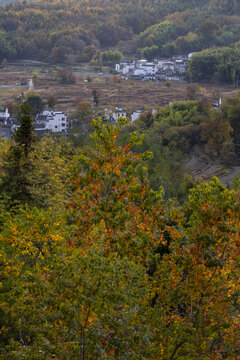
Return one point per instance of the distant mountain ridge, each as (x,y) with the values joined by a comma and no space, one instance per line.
(80,30)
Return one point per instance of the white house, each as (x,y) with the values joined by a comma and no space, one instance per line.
(125,67)
(150,68)
(180,66)
(55,121)
(4,115)
(135,115)
(139,72)
(143,67)
(140,63)
(46,112)
(168,65)
(114,115)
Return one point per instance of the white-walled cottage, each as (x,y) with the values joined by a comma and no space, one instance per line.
(55,121)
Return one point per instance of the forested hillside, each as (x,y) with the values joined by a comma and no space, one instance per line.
(182,129)
(96,265)
(79,30)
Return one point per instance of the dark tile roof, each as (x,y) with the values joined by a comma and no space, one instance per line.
(5,133)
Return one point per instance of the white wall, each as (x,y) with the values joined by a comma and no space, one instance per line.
(57,122)
(135,115)
(4,114)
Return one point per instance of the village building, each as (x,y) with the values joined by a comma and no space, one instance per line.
(160,69)
(53,121)
(48,121)
(135,115)
(8,126)
(4,116)
(114,115)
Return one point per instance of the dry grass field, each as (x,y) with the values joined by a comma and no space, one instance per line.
(130,95)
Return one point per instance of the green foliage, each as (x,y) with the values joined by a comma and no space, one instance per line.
(105,269)
(41,29)
(223,63)
(111,57)
(49,179)
(158,34)
(172,135)
(36,103)
(230,111)
(6,50)
(198,277)
(14,180)
(150,52)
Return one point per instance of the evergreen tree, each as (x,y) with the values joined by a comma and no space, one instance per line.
(14,183)
(24,136)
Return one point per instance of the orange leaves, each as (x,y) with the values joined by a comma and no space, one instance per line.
(113,209)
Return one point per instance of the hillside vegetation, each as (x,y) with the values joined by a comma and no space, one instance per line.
(96,265)
(60,31)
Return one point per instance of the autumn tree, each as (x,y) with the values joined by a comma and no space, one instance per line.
(217,137)
(84,112)
(27,240)
(49,178)
(115,204)
(196,302)
(55,304)
(114,221)
(65,76)
(107,269)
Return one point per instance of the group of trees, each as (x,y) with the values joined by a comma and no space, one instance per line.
(58,31)
(179,34)
(111,57)
(80,31)
(65,76)
(176,130)
(96,265)
(222,64)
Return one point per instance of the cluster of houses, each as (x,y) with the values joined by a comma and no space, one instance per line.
(7,123)
(113,115)
(159,69)
(48,121)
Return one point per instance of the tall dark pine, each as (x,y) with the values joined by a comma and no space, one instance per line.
(24,136)
(95,97)
(14,181)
